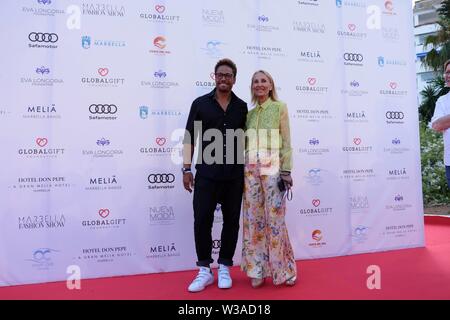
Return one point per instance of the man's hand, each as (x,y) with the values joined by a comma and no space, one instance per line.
(188,181)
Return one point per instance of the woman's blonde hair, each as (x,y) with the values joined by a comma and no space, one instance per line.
(272,93)
(446,64)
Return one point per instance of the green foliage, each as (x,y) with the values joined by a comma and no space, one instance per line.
(434,182)
(430,94)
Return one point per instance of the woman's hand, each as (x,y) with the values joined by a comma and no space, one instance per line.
(287,180)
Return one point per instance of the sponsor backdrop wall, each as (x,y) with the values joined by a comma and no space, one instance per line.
(93,93)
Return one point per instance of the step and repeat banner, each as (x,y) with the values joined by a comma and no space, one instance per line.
(95,96)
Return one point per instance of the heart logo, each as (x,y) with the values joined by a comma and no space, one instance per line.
(356,141)
(103,71)
(351,27)
(312,81)
(393,85)
(160,141)
(212,75)
(160,8)
(103,213)
(316,202)
(41,142)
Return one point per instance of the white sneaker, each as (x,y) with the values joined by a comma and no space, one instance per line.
(225,281)
(204,278)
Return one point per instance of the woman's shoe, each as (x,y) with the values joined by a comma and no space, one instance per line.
(291,281)
(257,282)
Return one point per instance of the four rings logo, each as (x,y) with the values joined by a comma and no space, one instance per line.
(161,178)
(102,108)
(43,37)
(395,115)
(355,57)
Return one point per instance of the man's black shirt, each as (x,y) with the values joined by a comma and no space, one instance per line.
(208,111)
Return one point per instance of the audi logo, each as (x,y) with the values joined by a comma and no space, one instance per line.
(102,109)
(395,115)
(161,178)
(43,37)
(356,57)
(216,244)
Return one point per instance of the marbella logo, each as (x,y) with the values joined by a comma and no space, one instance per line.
(86,43)
(309,27)
(103,9)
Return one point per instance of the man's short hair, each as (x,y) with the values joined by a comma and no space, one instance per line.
(226,62)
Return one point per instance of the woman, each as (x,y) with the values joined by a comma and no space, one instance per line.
(267,251)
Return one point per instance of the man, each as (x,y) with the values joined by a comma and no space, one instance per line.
(219,118)
(441,120)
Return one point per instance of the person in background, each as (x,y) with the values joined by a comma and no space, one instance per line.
(441,120)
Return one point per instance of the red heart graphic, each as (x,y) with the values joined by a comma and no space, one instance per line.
(103,213)
(160,141)
(393,85)
(316,202)
(357,141)
(160,8)
(41,142)
(103,71)
(212,75)
(312,81)
(351,27)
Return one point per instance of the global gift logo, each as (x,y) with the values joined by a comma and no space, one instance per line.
(41,142)
(103,71)
(160,8)
(393,85)
(357,141)
(351,27)
(312,81)
(388,5)
(316,202)
(103,213)
(160,141)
